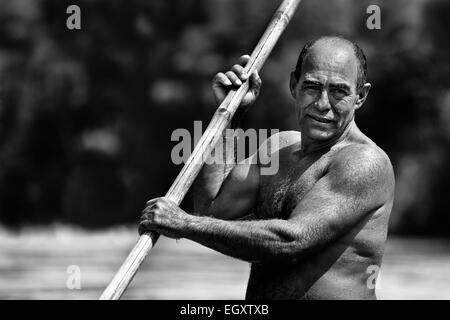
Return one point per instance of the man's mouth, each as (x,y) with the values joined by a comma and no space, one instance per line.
(320,119)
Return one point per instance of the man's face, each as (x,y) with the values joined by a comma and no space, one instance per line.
(325,94)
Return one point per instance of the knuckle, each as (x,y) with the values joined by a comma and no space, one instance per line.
(237,67)
(219,76)
(144,218)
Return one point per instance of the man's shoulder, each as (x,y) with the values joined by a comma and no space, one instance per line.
(363,154)
(364,165)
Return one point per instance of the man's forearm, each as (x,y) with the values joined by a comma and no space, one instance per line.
(214,173)
(253,241)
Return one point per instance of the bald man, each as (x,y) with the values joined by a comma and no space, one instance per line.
(319,224)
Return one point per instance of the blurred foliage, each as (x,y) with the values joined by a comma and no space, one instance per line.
(86,116)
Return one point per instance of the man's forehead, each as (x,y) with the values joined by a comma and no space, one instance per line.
(332,57)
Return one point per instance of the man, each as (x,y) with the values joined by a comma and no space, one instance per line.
(320,223)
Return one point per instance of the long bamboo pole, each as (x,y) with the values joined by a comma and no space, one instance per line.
(204,147)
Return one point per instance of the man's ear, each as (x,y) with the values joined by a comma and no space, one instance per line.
(362,95)
(293,84)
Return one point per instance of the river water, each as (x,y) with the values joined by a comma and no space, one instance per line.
(62,262)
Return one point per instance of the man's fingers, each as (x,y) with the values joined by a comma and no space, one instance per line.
(233,78)
(236,76)
(255,83)
(148,209)
(243,60)
(222,79)
(145,214)
(239,71)
(152,201)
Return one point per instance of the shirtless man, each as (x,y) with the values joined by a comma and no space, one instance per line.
(321,220)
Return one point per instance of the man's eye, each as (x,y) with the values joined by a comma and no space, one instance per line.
(311,87)
(339,92)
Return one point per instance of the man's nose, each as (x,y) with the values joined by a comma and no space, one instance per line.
(323,103)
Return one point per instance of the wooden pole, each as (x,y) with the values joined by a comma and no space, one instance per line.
(204,147)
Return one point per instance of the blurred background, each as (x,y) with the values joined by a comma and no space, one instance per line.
(86,118)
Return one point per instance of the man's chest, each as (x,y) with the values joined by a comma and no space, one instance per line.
(280,193)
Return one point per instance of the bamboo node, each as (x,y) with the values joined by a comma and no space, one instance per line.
(224,112)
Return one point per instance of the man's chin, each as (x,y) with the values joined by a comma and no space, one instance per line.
(319,135)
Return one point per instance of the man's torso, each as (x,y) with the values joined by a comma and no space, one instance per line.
(340,270)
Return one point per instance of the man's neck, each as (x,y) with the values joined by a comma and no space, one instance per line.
(310,146)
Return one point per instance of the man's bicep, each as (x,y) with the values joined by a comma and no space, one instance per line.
(342,198)
(238,193)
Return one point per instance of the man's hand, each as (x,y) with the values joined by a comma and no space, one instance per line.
(223,82)
(163,216)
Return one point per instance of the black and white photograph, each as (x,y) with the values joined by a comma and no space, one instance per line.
(224,150)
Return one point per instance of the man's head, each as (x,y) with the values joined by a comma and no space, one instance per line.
(328,84)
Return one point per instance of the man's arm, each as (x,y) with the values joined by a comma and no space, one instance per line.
(357,183)
(226,189)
